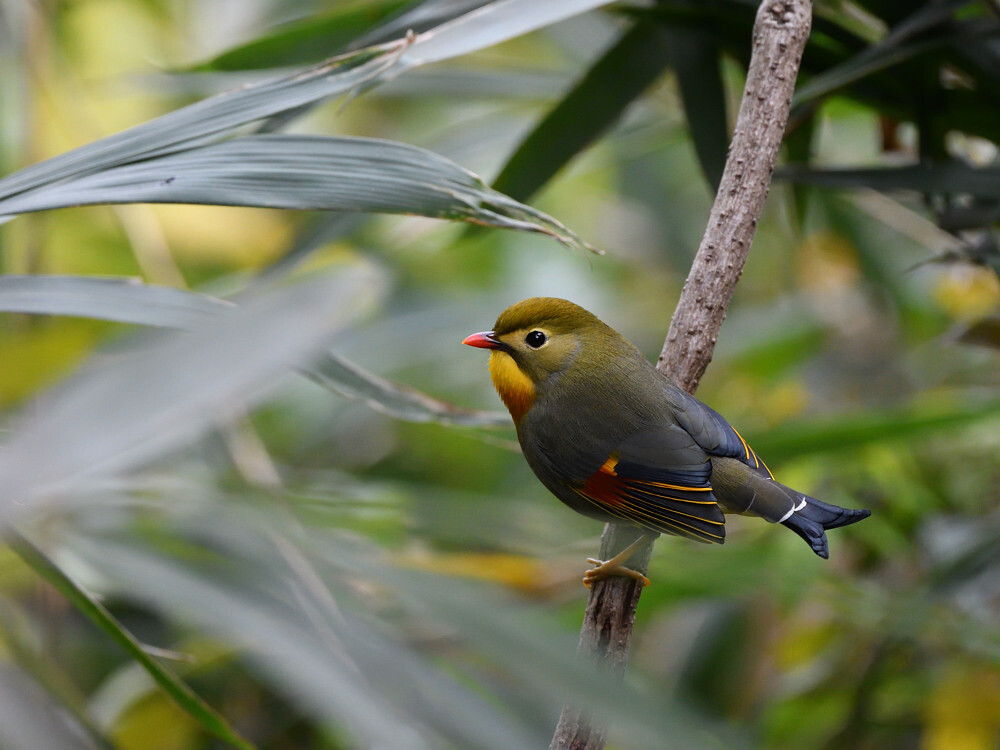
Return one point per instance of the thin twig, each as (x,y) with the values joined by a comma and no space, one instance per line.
(779,36)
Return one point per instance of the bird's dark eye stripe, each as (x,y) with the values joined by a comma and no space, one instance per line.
(535,339)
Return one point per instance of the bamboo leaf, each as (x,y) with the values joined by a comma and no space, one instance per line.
(206,120)
(336,667)
(695,56)
(952,177)
(855,430)
(124,411)
(608,88)
(309,40)
(123,300)
(30,721)
(179,691)
(905,41)
(491,24)
(300,172)
(393,399)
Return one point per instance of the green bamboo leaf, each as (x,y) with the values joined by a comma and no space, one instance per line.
(695,57)
(207,120)
(125,301)
(840,433)
(122,300)
(393,399)
(29,720)
(309,40)
(122,412)
(300,172)
(905,41)
(179,691)
(621,75)
(952,177)
(336,667)
(491,24)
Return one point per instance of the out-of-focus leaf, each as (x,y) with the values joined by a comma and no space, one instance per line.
(19,638)
(292,609)
(308,40)
(984,332)
(952,177)
(334,666)
(608,88)
(980,214)
(491,24)
(125,300)
(398,401)
(851,17)
(348,26)
(211,721)
(117,414)
(852,431)
(300,172)
(695,58)
(203,121)
(894,48)
(419,17)
(29,721)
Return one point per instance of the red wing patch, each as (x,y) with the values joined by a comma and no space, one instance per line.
(660,506)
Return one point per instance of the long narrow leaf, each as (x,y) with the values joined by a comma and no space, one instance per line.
(205,121)
(852,431)
(695,56)
(29,721)
(309,40)
(397,401)
(330,664)
(607,89)
(116,415)
(185,698)
(300,172)
(124,300)
(209,118)
(491,24)
(952,177)
(900,44)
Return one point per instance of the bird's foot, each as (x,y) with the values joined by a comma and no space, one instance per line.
(609,568)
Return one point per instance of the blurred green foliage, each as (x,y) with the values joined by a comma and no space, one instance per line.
(326,575)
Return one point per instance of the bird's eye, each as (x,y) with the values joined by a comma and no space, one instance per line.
(535,339)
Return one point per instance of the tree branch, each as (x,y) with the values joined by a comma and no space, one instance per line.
(779,36)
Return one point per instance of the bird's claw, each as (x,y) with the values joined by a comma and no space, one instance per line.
(609,568)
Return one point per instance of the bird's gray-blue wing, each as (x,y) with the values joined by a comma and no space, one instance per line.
(712,432)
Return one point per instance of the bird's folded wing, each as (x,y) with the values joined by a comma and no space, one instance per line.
(712,432)
(659,480)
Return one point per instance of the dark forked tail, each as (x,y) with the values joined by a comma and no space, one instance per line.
(811,520)
(740,489)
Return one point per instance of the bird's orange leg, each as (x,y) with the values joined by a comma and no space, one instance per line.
(614,567)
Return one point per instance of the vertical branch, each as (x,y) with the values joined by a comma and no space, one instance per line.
(779,37)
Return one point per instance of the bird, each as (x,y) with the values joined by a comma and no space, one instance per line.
(617,440)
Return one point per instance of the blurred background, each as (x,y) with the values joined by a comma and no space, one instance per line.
(325,574)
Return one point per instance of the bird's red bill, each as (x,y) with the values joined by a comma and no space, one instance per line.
(483,340)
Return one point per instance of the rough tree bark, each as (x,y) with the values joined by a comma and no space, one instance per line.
(779,37)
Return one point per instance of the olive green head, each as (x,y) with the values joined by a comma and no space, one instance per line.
(537,338)
(544,335)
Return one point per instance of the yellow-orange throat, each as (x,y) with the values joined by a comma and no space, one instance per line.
(515,388)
